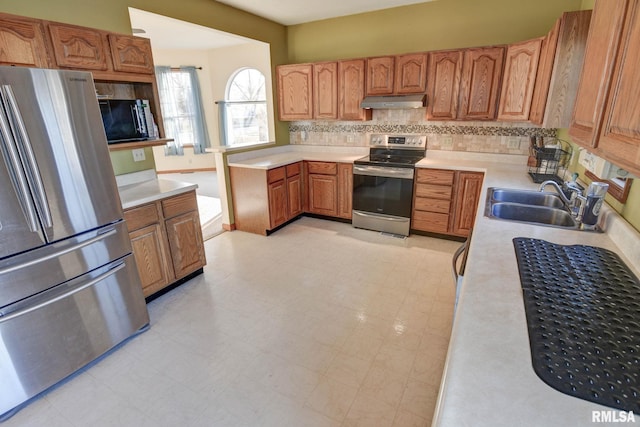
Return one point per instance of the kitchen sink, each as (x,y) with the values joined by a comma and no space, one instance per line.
(532,207)
(537,198)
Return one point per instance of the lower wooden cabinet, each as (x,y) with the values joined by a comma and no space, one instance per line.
(330,188)
(323,194)
(166,239)
(445,201)
(266,199)
(345,190)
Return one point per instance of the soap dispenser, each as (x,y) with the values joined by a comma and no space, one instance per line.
(594,199)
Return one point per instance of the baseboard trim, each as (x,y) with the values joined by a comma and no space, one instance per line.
(228,227)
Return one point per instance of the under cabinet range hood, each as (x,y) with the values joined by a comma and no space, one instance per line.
(394,101)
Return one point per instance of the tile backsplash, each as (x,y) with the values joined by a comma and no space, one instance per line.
(483,137)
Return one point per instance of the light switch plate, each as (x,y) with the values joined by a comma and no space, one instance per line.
(513,143)
(446,141)
(138,155)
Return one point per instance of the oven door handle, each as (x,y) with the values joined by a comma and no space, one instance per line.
(388,172)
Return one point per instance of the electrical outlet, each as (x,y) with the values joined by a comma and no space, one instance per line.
(446,141)
(513,143)
(350,138)
(138,155)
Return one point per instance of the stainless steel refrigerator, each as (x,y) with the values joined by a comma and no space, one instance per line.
(69,287)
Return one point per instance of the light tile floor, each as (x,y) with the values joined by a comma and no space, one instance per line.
(319,324)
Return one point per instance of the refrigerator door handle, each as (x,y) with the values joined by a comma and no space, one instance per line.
(36,184)
(16,174)
(75,290)
(73,248)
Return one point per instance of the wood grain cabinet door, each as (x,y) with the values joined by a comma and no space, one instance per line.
(295,92)
(345,190)
(185,241)
(543,76)
(323,194)
(468,187)
(278,204)
(411,73)
(131,54)
(294,196)
(620,135)
(603,41)
(150,253)
(22,42)
(325,90)
(520,68)
(78,47)
(380,75)
(351,86)
(480,83)
(443,84)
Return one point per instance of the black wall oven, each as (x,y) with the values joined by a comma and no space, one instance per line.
(383,183)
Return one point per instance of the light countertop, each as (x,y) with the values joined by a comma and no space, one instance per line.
(488,378)
(137,194)
(284,155)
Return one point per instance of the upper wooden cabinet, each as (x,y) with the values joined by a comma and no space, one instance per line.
(520,68)
(380,75)
(22,42)
(603,43)
(480,83)
(295,92)
(351,78)
(325,90)
(78,47)
(620,132)
(443,84)
(411,73)
(131,54)
(561,58)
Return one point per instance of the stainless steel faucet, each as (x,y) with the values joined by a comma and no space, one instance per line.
(575,203)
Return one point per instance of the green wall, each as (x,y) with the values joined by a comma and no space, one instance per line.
(441,24)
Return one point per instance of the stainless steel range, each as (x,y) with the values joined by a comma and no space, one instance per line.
(383,183)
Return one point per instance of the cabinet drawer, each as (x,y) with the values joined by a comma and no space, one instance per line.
(140,217)
(179,204)
(435,176)
(276,174)
(323,168)
(432,205)
(433,191)
(293,169)
(430,221)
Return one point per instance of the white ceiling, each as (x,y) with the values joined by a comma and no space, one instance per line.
(170,33)
(291,12)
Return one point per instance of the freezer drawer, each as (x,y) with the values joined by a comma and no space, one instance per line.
(40,269)
(45,338)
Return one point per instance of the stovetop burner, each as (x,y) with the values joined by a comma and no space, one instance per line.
(395,150)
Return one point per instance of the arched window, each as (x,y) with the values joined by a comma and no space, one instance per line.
(245,108)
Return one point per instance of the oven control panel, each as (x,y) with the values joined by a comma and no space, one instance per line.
(398,141)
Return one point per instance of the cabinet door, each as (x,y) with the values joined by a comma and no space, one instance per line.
(22,42)
(602,45)
(131,54)
(325,90)
(278,205)
(468,187)
(480,84)
(411,73)
(520,68)
(351,76)
(185,241)
(620,135)
(295,92)
(543,77)
(443,84)
(294,196)
(78,47)
(150,253)
(345,190)
(323,194)
(380,75)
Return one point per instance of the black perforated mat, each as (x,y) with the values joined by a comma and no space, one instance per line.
(583,314)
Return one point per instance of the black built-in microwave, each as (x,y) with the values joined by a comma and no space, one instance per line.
(126,119)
